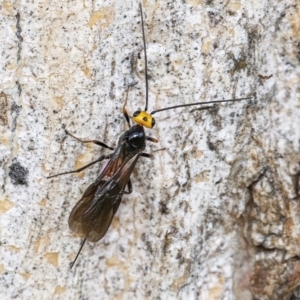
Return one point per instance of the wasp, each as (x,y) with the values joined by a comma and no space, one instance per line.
(93,214)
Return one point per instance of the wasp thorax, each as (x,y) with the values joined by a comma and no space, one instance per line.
(143,118)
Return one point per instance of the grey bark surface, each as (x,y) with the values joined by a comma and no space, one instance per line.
(215,215)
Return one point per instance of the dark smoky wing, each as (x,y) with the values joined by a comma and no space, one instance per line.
(113,164)
(75,218)
(93,214)
(102,213)
(77,222)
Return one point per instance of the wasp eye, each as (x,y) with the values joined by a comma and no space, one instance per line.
(136,113)
(153,122)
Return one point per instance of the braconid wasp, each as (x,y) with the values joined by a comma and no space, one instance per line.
(93,214)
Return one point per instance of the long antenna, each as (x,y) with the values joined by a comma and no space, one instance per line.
(198,103)
(145,55)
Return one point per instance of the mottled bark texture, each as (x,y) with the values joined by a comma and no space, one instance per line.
(216,214)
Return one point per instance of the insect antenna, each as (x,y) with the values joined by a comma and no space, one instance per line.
(145,56)
(199,103)
(74,261)
(144,118)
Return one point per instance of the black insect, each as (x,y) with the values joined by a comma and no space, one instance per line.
(93,214)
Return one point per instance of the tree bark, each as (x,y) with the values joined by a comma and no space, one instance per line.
(215,214)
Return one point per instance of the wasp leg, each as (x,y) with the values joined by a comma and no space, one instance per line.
(117,204)
(148,155)
(162,149)
(89,141)
(102,157)
(129,186)
(151,139)
(125,113)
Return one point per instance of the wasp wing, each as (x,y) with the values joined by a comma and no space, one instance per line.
(112,166)
(94,212)
(75,218)
(117,159)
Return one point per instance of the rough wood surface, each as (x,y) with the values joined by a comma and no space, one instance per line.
(215,215)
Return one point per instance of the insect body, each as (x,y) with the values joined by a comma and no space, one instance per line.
(93,214)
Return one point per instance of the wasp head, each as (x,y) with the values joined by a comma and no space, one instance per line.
(143,118)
